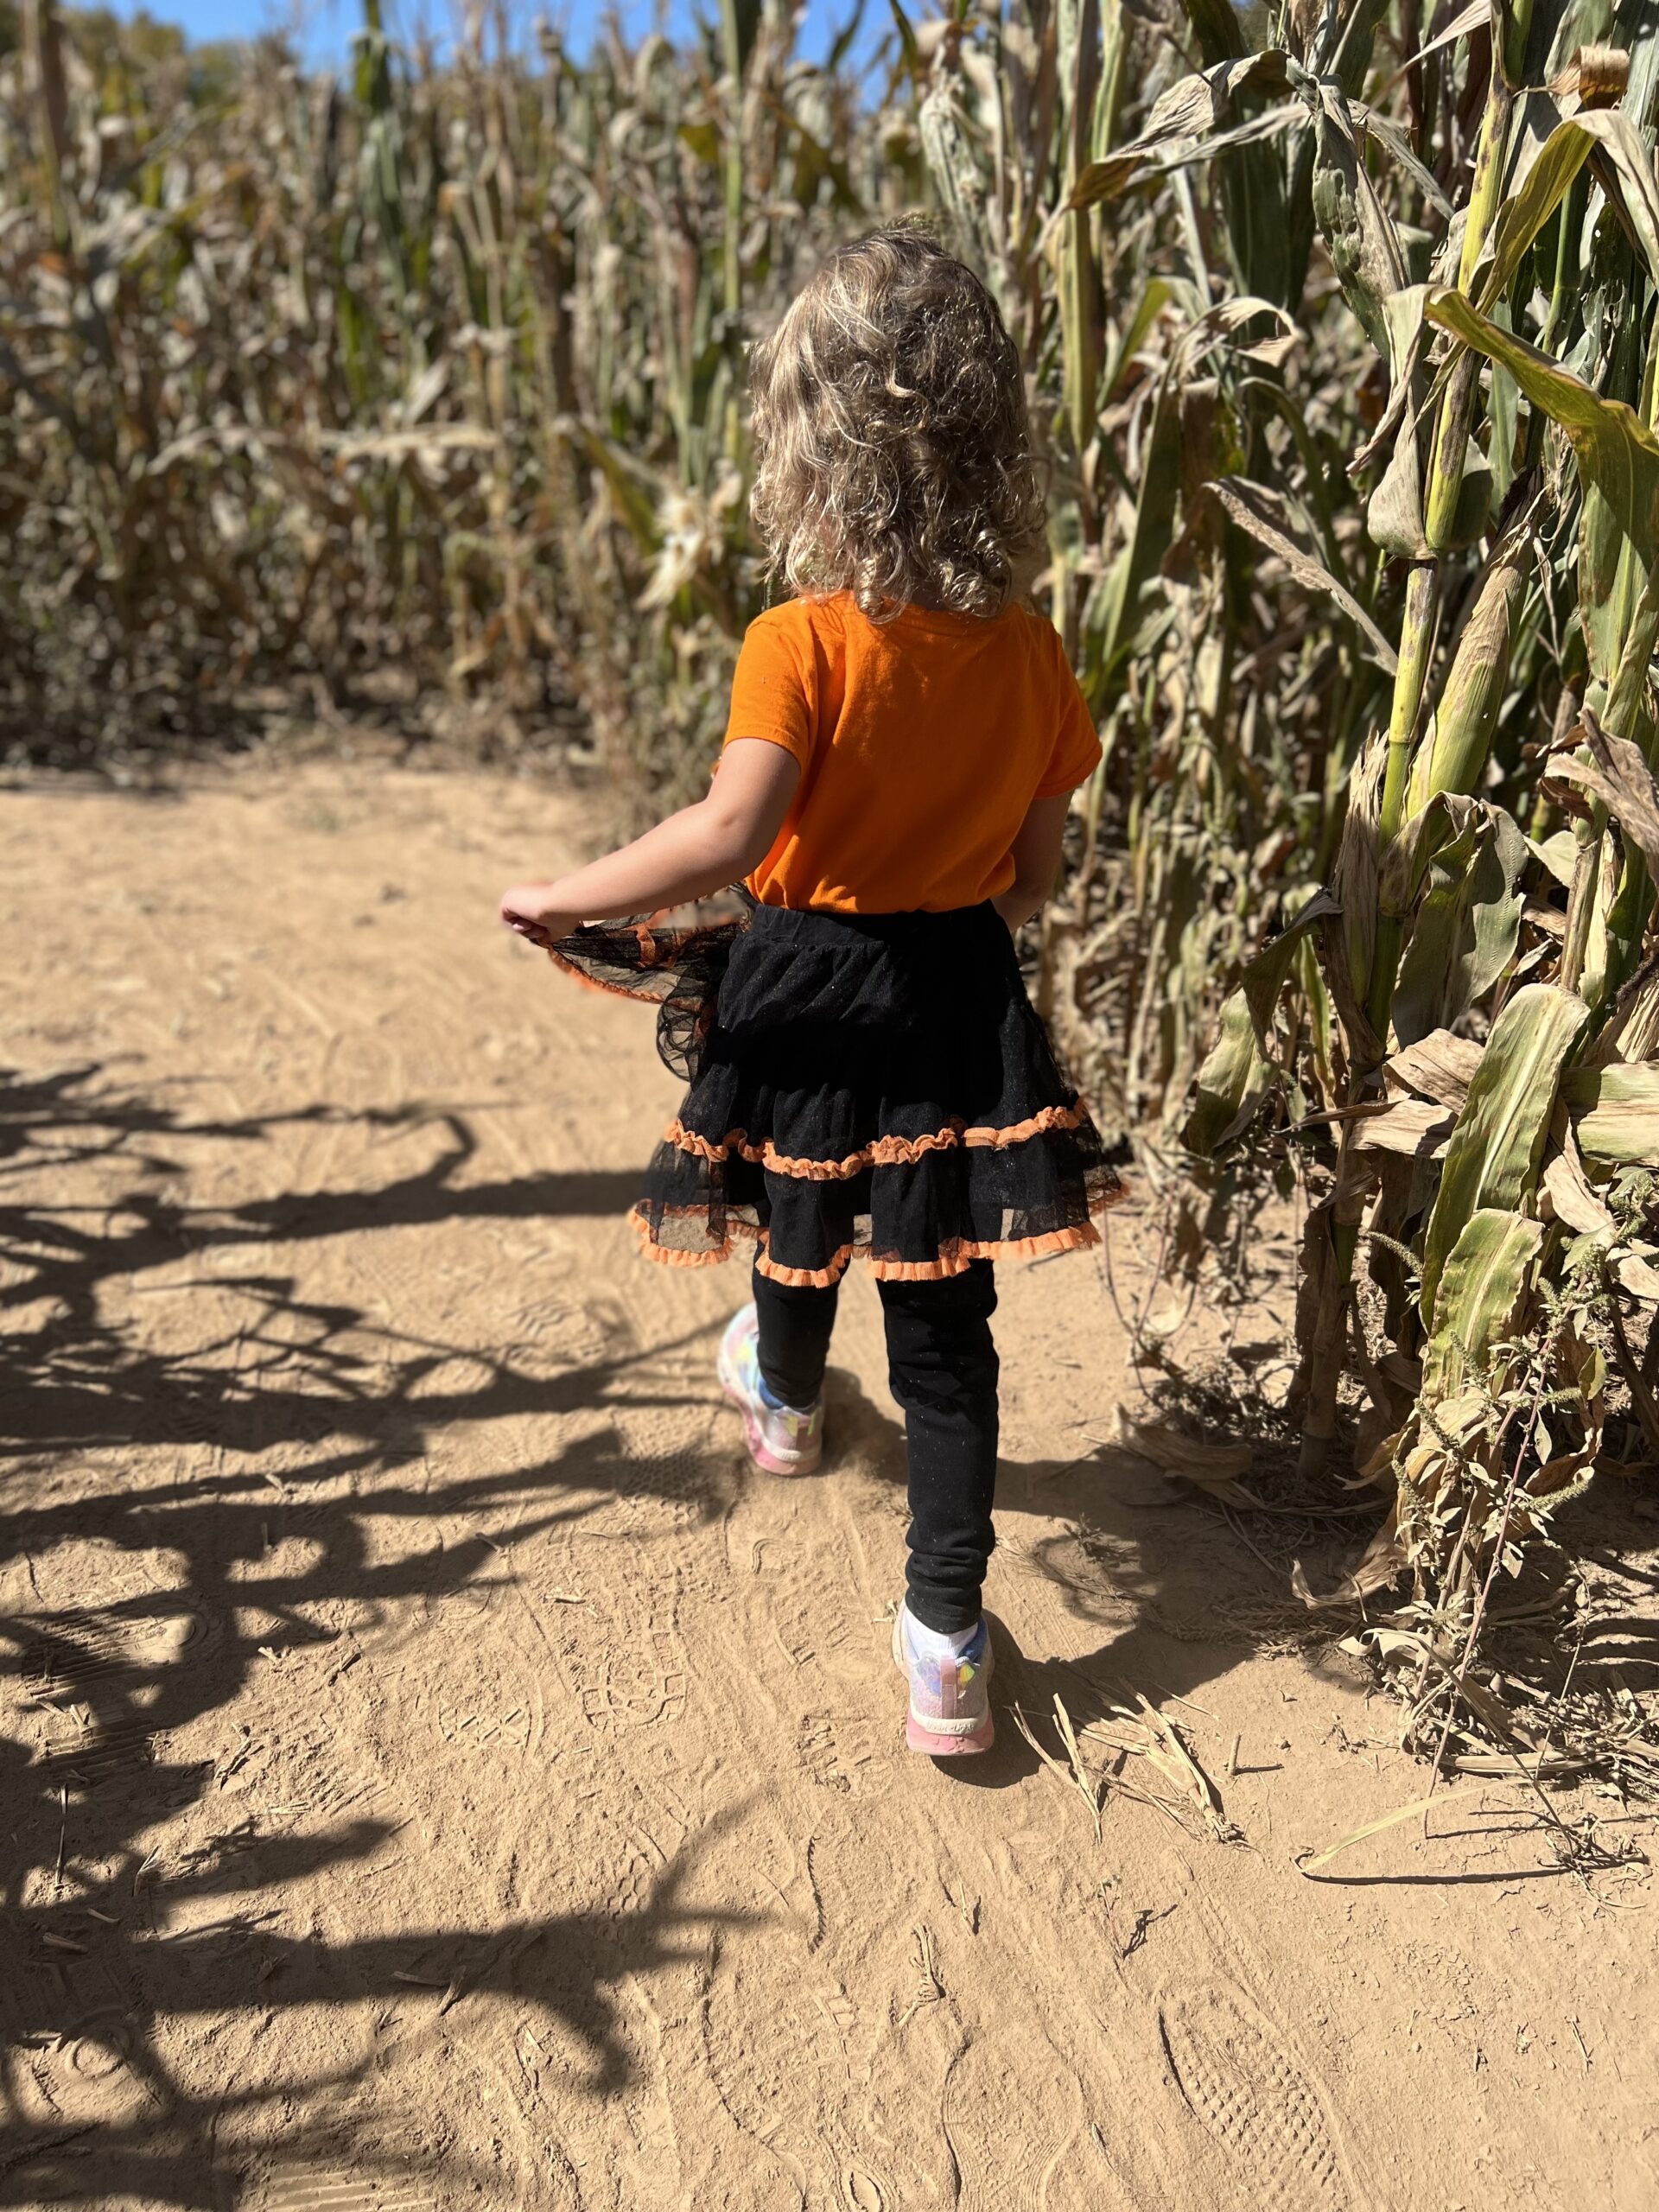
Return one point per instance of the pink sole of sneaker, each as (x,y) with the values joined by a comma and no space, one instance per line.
(949,1747)
(933,1742)
(769,1461)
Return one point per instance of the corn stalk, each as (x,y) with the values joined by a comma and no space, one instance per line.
(1479,973)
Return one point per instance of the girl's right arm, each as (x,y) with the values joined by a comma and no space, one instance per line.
(1037,851)
(700,849)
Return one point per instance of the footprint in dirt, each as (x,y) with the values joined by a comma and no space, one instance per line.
(845,1752)
(382,2144)
(1013,2116)
(818,1615)
(777,2061)
(105,1679)
(1245,2086)
(83,2081)
(670,1477)
(618,1635)
(867,1894)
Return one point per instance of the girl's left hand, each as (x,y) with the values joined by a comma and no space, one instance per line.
(536,911)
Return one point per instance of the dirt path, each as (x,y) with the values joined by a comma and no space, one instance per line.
(439,1772)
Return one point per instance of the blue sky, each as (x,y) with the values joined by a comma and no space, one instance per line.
(325,26)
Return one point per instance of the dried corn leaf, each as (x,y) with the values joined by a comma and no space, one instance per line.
(1570,1192)
(1363,244)
(1558,853)
(1540,1766)
(1073,1770)
(1166,1749)
(1261,513)
(1618,775)
(1184,113)
(1377,1827)
(1150,1735)
(1411,1126)
(1211,1467)
(1439,1066)
(1379,1568)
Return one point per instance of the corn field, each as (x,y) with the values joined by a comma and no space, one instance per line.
(429,374)
(1345,366)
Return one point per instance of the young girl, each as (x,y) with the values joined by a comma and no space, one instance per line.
(866,1074)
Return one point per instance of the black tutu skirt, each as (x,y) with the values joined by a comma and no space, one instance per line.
(869,1084)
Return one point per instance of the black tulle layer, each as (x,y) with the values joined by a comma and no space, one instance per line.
(877,1085)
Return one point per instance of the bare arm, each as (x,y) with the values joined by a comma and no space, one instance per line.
(700,849)
(1037,851)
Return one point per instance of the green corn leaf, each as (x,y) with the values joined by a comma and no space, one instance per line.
(1216,27)
(1491,1158)
(815,161)
(1618,460)
(1446,829)
(1503,413)
(1483,1288)
(740,22)
(1394,514)
(845,39)
(638,492)
(1466,929)
(1080,291)
(1239,1072)
(1158,294)
(1110,618)
(1524,214)
(1626,154)
(1616,1110)
(1453,757)
(1464,938)
(907,45)
(1360,236)
(703,139)
(1232,1082)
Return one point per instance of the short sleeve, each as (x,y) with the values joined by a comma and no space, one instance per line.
(772,689)
(1076,752)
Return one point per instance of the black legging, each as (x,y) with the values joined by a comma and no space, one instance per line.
(942,1368)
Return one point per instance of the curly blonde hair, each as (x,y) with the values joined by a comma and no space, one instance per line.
(894,454)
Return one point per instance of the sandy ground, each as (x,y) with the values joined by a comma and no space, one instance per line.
(438,1771)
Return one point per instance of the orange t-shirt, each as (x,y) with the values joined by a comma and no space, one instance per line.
(922,742)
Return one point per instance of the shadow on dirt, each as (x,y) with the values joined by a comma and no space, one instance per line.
(102,1933)
(311,1514)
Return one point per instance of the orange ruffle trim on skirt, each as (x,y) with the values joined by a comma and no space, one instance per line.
(953,1256)
(885,1152)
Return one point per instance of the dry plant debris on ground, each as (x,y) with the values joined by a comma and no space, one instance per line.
(438,1771)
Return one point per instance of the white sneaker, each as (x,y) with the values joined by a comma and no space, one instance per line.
(950,1694)
(780,1439)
